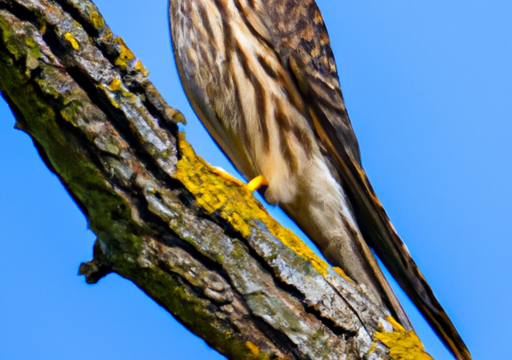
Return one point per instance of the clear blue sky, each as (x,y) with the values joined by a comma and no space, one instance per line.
(428,86)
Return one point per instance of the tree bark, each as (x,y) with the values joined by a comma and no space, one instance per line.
(197,243)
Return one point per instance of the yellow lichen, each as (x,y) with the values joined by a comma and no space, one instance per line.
(112,99)
(234,202)
(178,116)
(254,349)
(41,25)
(71,39)
(343,274)
(77,24)
(125,54)
(402,344)
(258,354)
(107,34)
(127,59)
(139,67)
(97,20)
(115,85)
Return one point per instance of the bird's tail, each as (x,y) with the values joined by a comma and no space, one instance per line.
(381,236)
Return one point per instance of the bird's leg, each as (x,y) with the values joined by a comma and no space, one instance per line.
(257,183)
(253,185)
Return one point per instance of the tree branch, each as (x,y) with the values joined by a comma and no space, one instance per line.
(197,243)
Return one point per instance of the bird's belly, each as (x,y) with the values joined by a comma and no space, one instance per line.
(243,96)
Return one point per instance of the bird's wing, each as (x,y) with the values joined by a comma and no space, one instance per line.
(296,32)
(371,217)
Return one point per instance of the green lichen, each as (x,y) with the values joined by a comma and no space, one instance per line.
(109,213)
(34,48)
(193,311)
(30,101)
(21,46)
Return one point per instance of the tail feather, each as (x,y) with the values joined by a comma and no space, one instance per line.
(389,247)
(381,236)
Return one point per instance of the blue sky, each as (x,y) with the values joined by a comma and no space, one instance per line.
(428,87)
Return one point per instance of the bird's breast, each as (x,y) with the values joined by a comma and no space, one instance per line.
(242,93)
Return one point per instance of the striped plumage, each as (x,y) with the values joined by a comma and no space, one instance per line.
(261,76)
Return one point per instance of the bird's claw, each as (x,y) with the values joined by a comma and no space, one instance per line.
(257,183)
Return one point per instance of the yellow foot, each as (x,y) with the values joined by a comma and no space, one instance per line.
(252,186)
(256,183)
(217,170)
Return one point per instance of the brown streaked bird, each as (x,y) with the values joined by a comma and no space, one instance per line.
(261,76)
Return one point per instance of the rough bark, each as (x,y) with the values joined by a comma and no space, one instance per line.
(197,243)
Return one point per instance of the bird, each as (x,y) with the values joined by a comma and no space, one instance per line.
(262,78)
